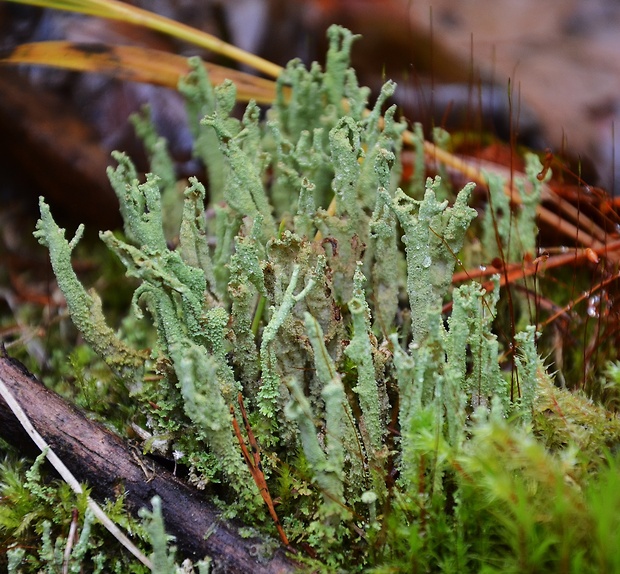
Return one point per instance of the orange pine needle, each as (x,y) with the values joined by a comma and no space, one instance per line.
(254,465)
(135,64)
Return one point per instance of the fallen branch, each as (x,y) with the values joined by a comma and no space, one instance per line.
(103,461)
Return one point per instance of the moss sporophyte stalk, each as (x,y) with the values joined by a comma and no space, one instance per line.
(370,407)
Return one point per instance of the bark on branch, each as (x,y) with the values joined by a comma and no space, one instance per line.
(104,462)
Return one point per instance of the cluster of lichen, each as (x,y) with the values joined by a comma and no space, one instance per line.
(375,415)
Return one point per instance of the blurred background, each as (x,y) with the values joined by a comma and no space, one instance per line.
(544,74)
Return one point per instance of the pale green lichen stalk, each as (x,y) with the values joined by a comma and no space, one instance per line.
(434,235)
(360,351)
(316,334)
(85,307)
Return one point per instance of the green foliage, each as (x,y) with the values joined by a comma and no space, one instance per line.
(36,518)
(390,433)
(46,527)
(162,557)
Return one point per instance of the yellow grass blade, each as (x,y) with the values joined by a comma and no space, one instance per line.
(135,64)
(116,10)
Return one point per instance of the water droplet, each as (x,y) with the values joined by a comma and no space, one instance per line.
(426,262)
(593,305)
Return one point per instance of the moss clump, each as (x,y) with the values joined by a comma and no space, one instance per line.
(38,516)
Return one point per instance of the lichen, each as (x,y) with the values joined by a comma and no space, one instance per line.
(359,351)
(433,236)
(303,309)
(271,383)
(201,101)
(85,307)
(510,229)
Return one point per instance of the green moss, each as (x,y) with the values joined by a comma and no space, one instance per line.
(35,519)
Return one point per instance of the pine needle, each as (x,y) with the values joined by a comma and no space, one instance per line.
(115,10)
